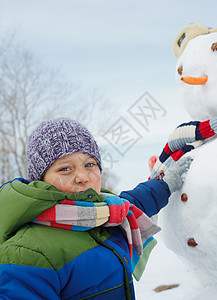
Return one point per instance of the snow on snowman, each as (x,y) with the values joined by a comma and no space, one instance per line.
(189,221)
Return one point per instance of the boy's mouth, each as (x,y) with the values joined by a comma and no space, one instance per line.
(78,191)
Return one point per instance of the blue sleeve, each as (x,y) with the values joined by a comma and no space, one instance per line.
(18,178)
(28,283)
(149,196)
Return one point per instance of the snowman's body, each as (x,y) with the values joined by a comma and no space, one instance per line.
(197,217)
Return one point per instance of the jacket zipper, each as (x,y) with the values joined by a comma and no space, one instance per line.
(126,282)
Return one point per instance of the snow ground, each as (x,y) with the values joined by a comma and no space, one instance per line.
(165,267)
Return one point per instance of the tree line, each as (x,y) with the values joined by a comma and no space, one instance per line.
(31,92)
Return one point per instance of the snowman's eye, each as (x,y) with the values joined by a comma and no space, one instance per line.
(214,47)
(180,70)
(181,40)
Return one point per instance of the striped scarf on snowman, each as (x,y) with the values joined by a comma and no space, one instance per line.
(185,138)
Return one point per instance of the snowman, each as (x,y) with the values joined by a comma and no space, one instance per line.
(189,221)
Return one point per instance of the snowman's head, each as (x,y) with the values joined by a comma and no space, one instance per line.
(195,47)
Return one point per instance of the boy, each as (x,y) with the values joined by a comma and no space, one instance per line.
(85,250)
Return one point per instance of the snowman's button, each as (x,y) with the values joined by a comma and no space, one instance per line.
(191,242)
(214,47)
(184,197)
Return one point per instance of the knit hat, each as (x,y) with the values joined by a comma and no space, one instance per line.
(188,33)
(54,139)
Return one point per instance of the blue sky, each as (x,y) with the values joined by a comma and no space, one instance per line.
(117,45)
(121,47)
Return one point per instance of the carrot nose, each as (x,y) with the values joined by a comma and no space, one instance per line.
(195,80)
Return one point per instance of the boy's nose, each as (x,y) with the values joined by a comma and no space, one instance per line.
(81,178)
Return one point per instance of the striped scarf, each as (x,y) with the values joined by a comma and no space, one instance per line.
(113,211)
(184,138)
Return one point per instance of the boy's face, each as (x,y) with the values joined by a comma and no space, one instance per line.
(74,173)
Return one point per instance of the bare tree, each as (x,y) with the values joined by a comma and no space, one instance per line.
(28,94)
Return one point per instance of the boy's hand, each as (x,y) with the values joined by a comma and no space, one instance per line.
(175,174)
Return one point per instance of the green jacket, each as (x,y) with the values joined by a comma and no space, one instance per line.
(40,262)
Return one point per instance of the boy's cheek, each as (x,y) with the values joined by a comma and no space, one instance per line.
(98,185)
(58,182)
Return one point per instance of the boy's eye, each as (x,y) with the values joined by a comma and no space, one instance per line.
(65,169)
(89,165)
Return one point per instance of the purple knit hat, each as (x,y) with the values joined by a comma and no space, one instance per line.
(54,139)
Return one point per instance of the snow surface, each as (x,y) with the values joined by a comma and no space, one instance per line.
(165,267)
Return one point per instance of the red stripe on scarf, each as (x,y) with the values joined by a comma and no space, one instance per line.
(118,212)
(136,211)
(205,129)
(131,250)
(62,226)
(177,154)
(167,149)
(48,215)
(68,202)
(133,223)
